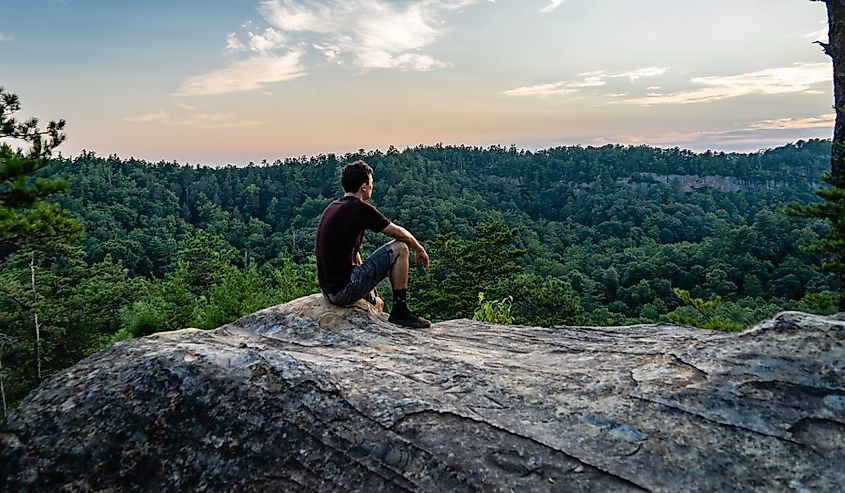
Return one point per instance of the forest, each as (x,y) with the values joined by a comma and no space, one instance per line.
(611,235)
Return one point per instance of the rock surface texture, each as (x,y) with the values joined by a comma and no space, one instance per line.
(309,397)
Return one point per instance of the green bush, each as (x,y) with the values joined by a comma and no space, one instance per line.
(494,311)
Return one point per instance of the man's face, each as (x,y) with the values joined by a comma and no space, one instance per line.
(367,188)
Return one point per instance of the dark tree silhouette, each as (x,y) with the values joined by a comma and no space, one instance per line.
(832,208)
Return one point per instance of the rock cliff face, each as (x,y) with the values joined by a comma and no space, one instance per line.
(309,397)
(692,183)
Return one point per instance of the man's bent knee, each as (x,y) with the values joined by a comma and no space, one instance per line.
(399,248)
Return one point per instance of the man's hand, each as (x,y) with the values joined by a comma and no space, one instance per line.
(422,257)
(379,306)
(401,234)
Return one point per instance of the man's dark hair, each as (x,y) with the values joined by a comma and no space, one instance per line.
(354,175)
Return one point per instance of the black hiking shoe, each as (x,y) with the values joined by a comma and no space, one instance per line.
(407,319)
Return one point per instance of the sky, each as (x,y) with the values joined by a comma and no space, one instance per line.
(233,81)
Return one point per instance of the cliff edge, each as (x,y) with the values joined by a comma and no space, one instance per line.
(310,397)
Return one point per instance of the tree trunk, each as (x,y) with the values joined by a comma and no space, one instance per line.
(835,49)
(2,390)
(35,322)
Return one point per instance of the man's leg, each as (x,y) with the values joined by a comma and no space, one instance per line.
(365,278)
(401,314)
(399,271)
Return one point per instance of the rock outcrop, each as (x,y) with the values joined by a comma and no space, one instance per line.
(693,183)
(309,397)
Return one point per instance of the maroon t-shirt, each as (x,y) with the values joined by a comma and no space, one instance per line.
(339,237)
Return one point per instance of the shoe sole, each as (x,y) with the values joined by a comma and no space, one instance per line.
(409,326)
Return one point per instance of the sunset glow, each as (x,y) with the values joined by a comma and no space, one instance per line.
(232,82)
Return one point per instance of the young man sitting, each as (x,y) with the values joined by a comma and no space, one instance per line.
(344,278)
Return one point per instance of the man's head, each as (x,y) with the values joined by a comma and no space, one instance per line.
(357,177)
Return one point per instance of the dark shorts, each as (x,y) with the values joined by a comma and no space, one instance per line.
(365,278)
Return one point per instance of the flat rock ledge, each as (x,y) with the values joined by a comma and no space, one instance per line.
(309,397)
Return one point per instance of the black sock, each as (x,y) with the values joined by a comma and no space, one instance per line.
(399,298)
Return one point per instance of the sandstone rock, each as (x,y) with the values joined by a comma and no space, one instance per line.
(310,397)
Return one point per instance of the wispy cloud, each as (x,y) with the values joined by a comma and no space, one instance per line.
(820,34)
(213,121)
(584,80)
(363,33)
(149,117)
(5,37)
(592,79)
(204,121)
(551,6)
(369,33)
(268,40)
(553,89)
(754,136)
(233,44)
(246,75)
(799,77)
(822,121)
(634,75)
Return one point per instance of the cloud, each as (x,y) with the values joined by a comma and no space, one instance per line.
(553,5)
(819,34)
(799,77)
(212,121)
(233,44)
(318,16)
(330,52)
(204,121)
(643,72)
(246,75)
(5,37)
(370,33)
(586,79)
(754,136)
(365,33)
(269,40)
(149,117)
(822,121)
(553,89)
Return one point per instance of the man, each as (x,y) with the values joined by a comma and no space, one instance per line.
(344,278)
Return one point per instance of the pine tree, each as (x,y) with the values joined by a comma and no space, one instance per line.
(25,216)
(463,268)
(27,220)
(832,209)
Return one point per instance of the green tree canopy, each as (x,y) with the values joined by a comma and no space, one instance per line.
(25,216)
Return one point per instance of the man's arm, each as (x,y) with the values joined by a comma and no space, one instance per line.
(401,234)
